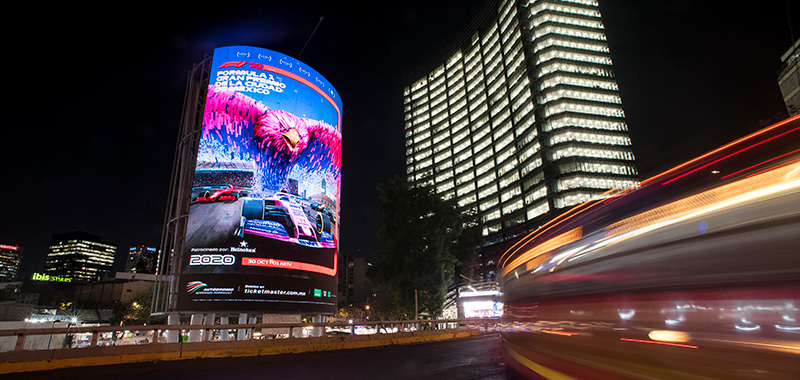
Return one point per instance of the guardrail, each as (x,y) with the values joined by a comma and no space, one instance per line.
(158,334)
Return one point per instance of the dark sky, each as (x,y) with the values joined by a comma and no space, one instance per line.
(90,130)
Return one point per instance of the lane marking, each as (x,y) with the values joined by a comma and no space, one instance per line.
(537,368)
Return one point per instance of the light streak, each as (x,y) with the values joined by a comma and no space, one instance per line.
(782,165)
(668,336)
(761,163)
(547,226)
(728,145)
(743,191)
(540,249)
(662,343)
(730,155)
(790,347)
(559,332)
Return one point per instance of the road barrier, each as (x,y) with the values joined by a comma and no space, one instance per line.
(216,341)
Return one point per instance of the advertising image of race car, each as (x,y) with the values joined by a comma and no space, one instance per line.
(219,193)
(289,218)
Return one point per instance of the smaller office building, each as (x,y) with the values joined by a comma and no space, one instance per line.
(80,256)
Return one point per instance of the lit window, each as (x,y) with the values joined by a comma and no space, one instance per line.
(537,210)
(483,193)
(536,194)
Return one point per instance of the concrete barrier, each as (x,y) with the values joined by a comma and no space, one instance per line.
(25,361)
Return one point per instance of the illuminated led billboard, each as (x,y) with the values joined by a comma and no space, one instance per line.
(263,226)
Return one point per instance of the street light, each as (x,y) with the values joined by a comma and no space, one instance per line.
(52,326)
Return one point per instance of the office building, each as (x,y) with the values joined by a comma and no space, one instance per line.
(789,79)
(521,119)
(79,256)
(354,286)
(142,259)
(10,256)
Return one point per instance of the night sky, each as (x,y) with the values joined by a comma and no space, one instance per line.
(90,130)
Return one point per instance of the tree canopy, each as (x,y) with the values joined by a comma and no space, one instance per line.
(424,242)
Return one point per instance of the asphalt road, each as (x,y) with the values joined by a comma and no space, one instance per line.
(466,358)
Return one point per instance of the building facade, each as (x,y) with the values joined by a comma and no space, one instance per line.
(521,120)
(10,256)
(789,79)
(354,287)
(142,259)
(79,256)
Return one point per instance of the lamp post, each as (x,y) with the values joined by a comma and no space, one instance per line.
(52,326)
(416,306)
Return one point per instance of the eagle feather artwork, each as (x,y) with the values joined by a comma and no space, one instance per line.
(238,126)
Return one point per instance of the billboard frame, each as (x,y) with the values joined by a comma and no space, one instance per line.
(168,297)
(176,216)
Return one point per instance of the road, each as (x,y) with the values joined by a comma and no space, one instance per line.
(466,358)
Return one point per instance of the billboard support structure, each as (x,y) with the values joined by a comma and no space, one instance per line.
(177,211)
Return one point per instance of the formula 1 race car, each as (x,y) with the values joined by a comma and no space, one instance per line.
(220,194)
(289,218)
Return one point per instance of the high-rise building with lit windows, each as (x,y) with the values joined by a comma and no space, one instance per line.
(789,79)
(79,256)
(10,256)
(142,259)
(521,119)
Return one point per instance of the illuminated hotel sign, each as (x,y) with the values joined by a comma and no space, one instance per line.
(49,278)
(263,230)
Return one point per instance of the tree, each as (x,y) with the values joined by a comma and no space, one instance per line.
(424,242)
(137,310)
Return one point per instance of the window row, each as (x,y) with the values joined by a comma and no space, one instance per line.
(590,138)
(557,66)
(556,80)
(593,183)
(583,122)
(594,167)
(564,93)
(545,6)
(565,31)
(574,198)
(568,43)
(591,152)
(572,56)
(562,19)
(562,107)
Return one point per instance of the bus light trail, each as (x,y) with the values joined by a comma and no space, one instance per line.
(662,343)
(729,155)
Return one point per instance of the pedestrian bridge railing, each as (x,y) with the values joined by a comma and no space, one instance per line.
(77,337)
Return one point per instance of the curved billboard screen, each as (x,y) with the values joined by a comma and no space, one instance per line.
(263,226)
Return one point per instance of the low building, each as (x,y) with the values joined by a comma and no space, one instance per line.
(121,288)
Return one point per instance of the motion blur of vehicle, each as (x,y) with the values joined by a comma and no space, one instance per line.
(693,274)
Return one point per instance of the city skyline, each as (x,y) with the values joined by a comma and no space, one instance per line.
(691,77)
